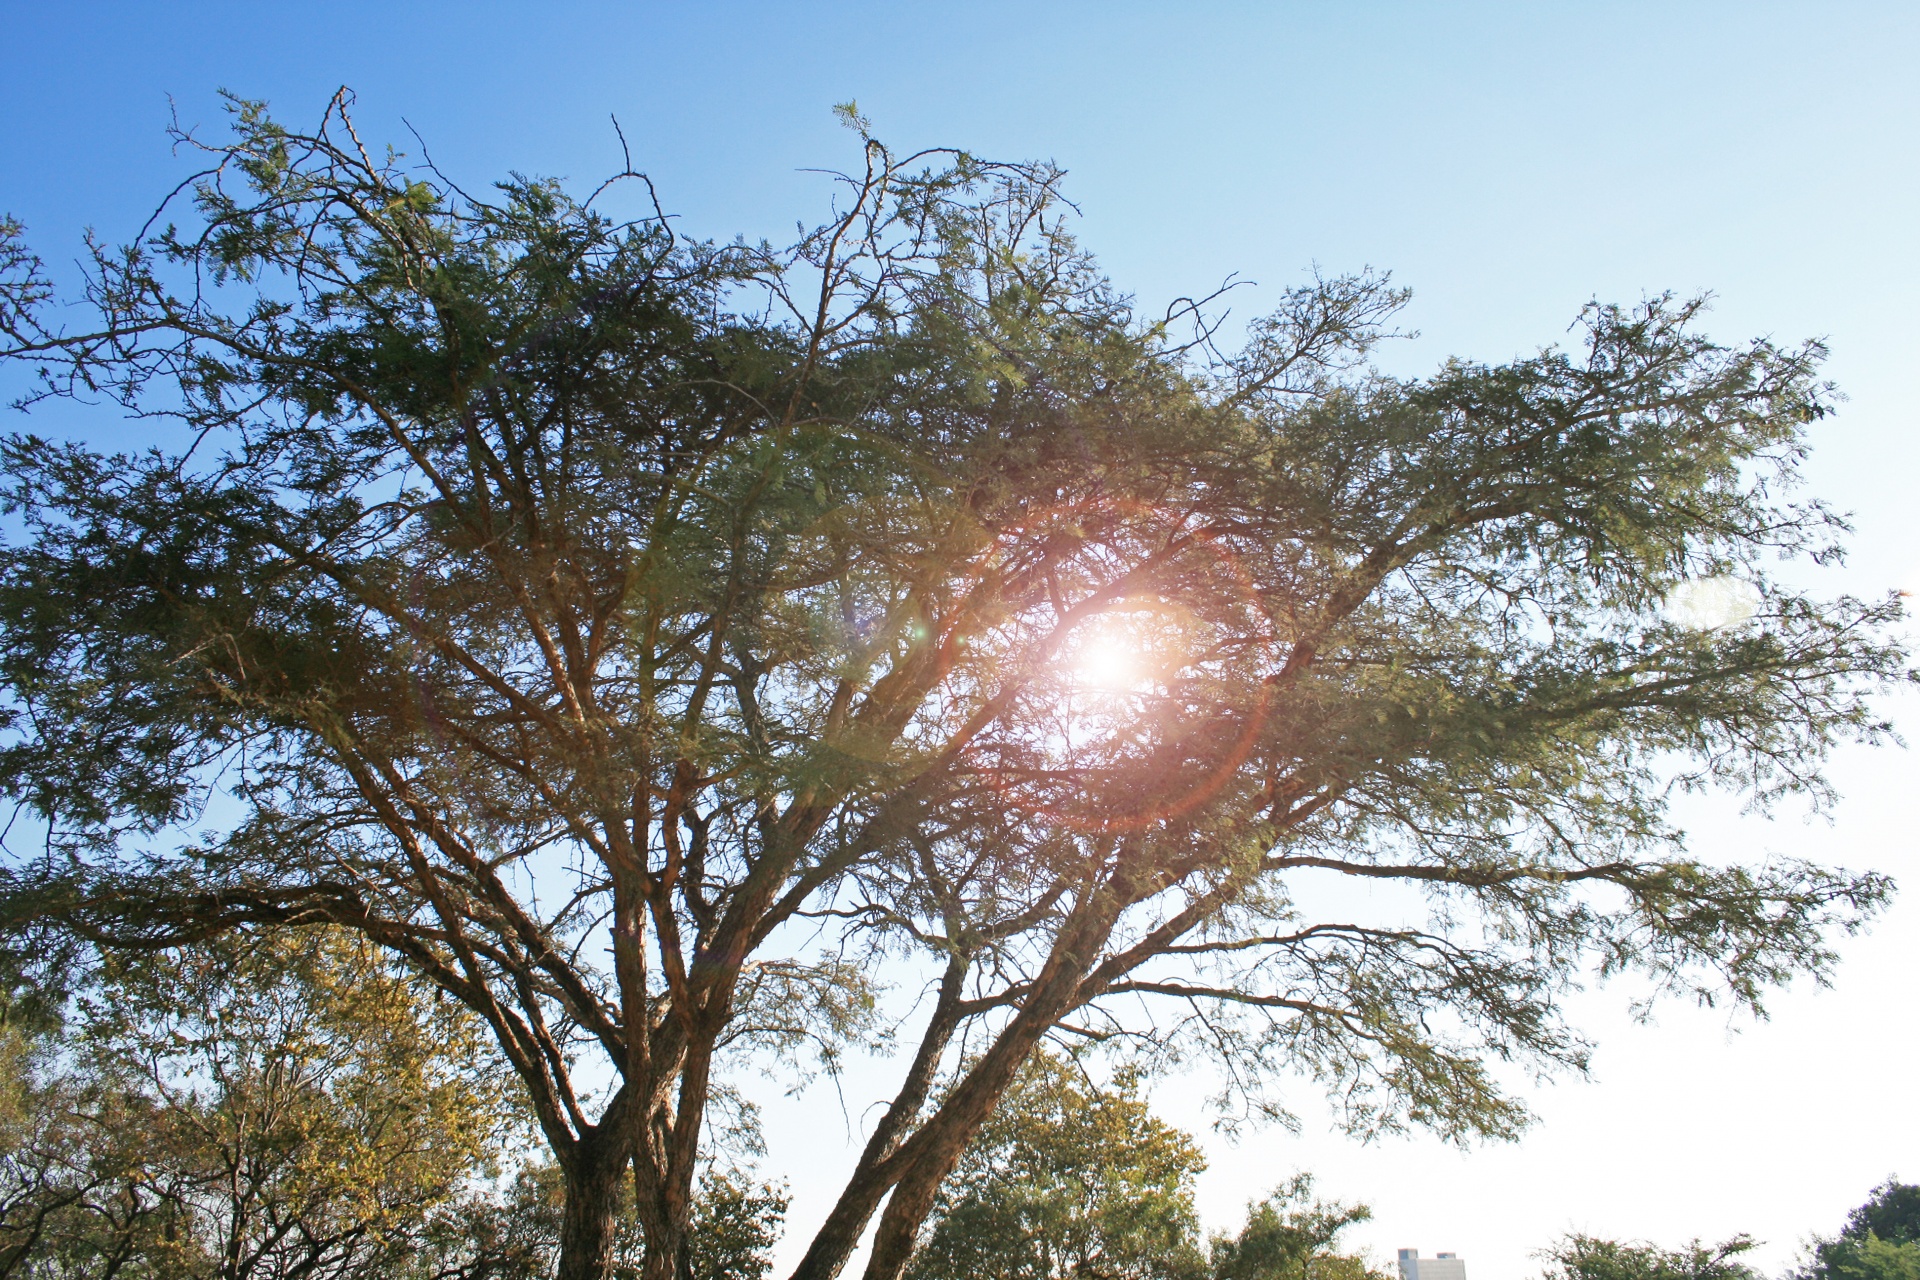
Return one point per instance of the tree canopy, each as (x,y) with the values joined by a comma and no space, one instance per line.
(1065,1180)
(1580,1257)
(1291,1235)
(1880,1241)
(278,1106)
(1072,1180)
(588,615)
(291,1105)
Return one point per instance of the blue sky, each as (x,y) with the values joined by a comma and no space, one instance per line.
(1509,162)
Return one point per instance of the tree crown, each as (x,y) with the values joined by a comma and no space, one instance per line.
(535,586)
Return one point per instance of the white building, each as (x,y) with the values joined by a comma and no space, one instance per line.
(1441,1266)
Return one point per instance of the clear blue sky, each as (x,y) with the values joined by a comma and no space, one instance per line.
(1507,161)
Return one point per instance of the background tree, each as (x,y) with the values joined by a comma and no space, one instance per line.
(1068,1179)
(1072,1179)
(1881,1240)
(1579,1257)
(516,1234)
(1292,1236)
(289,1106)
(257,1106)
(532,586)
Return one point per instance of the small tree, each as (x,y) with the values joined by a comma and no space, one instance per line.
(1881,1240)
(517,1234)
(1579,1257)
(1067,1180)
(289,1106)
(534,587)
(1291,1236)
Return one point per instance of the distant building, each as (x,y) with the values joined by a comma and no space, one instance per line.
(1441,1266)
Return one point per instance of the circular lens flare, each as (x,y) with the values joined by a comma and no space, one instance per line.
(1113,674)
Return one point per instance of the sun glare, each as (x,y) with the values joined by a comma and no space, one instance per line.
(1107,662)
(1112,658)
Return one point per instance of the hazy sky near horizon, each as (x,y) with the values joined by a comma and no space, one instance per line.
(1508,161)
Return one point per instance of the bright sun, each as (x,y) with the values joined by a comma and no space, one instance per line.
(1108,660)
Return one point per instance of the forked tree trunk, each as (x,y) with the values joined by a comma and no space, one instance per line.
(941,1140)
(908,1207)
(945,1137)
(838,1235)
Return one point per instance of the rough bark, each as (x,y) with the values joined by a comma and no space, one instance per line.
(591,1176)
(666,1193)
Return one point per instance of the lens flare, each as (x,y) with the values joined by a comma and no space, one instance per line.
(1108,661)
(1152,705)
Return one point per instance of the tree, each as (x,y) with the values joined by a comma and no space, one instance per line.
(1870,1257)
(278,1106)
(1291,1236)
(530,586)
(517,1235)
(1881,1240)
(1070,1179)
(1579,1257)
(1065,1180)
(1892,1212)
(289,1106)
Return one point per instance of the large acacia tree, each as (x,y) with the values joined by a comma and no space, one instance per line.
(591,615)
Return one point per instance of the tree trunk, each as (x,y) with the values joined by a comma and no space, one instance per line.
(945,1136)
(661,1265)
(588,1221)
(834,1243)
(908,1207)
(914,1194)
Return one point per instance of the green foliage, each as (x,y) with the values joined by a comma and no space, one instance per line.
(567,607)
(516,1235)
(1291,1236)
(278,1105)
(735,1223)
(293,1105)
(1068,1179)
(1892,1213)
(1881,1240)
(1869,1257)
(1579,1257)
